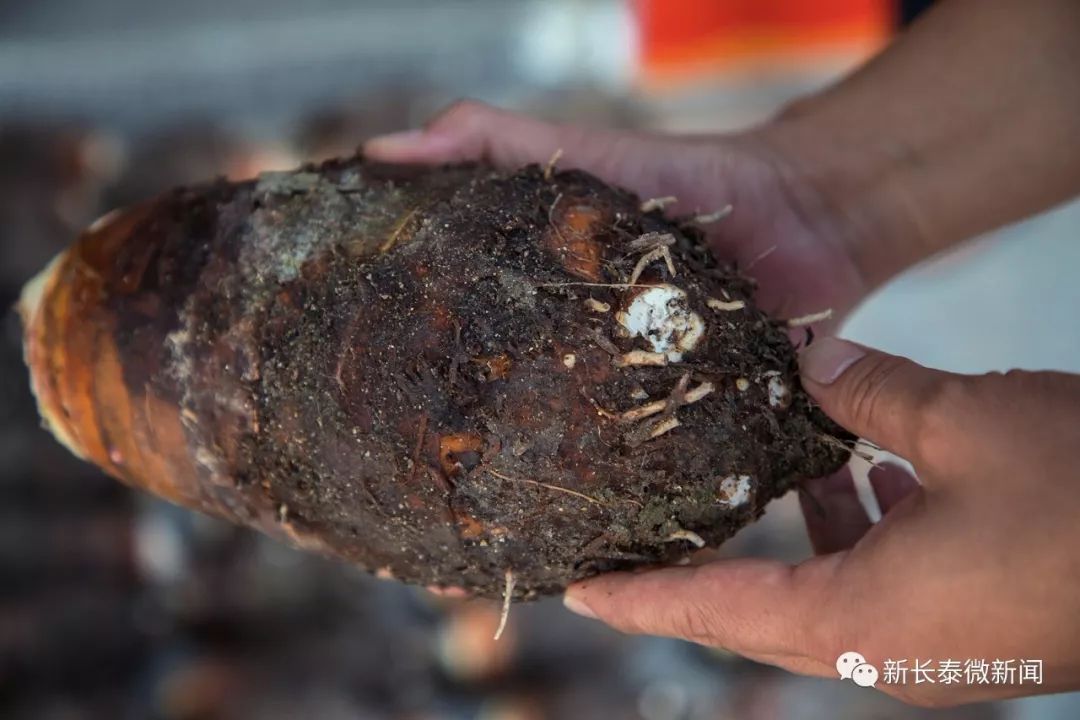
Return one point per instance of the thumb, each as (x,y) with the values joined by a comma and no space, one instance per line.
(889,400)
(762,609)
(470,130)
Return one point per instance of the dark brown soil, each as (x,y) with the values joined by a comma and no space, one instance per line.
(424,372)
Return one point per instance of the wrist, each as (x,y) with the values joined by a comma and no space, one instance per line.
(853,179)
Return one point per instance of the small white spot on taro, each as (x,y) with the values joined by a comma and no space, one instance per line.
(569,360)
(779,392)
(742,384)
(597,305)
(662,316)
(735,490)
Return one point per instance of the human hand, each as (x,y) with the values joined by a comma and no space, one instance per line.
(907,588)
(781,231)
(979,562)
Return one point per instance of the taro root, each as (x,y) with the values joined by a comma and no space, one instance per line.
(454,376)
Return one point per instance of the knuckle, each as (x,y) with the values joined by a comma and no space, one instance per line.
(865,393)
(696,622)
(934,436)
(824,622)
(458,113)
(832,622)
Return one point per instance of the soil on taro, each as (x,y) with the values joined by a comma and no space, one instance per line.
(431,372)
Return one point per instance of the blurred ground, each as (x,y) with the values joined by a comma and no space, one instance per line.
(114,605)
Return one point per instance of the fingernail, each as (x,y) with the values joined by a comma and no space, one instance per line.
(391,142)
(577,607)
(827,359)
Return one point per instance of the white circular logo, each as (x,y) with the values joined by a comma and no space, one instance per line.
(865,675)
(847,662)
(853,666)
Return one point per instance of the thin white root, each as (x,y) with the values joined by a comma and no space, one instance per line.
(855,450)
(699,392)
(620,286)
(508,594)
(658,203)
(810,319)
(392,240)
(650,240)
(761,256)
(642,263)
(549,169)
(709,218)
(644,411)
(688,535)
(666,425)
(725,306)
(597,306)
(556,488)
(864,491)
(641,357)
(604,412)
(668,261)
(650,257)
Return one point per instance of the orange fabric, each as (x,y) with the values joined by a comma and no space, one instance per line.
(681,39)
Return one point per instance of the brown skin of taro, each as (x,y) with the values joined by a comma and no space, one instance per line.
(398,367)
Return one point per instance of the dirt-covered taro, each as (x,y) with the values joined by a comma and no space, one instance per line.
(452,376)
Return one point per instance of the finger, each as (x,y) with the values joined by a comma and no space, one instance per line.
(469,130)
(835,518)
(750,606)
(892,484)
(447,591)
(884,398)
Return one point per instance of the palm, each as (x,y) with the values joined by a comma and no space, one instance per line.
(774,234)
(779,232)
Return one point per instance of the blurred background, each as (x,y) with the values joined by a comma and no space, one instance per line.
(114,605)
